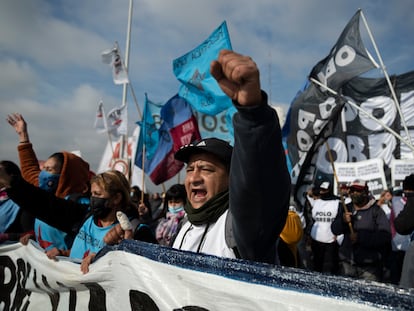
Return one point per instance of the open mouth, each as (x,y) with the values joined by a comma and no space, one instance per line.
(198,193)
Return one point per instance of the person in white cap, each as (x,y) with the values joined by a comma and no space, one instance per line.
(367,234)
(324,208)
(238,199)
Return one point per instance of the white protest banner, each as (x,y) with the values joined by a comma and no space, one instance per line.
(399,170)
(140,276)
(372,171)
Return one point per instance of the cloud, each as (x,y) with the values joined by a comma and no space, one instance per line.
(17,78)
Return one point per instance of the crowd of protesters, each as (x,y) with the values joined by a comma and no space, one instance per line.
(353,234)
(226,206)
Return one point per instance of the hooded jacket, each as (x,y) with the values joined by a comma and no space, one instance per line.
(74,175)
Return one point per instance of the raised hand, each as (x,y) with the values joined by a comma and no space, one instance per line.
(19,124)
(238,77)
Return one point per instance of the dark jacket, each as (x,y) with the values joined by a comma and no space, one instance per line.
(57,212)
(373,235)
(259,182)
(404,222)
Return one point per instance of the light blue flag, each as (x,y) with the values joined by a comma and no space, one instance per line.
(149,130)
(198,86)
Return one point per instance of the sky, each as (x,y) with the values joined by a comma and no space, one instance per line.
(52,72)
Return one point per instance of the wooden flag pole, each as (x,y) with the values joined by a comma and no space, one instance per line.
(337,182)
(143,172)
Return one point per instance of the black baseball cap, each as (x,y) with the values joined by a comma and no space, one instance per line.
(218,147)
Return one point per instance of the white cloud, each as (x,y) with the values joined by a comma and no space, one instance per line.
(17,78)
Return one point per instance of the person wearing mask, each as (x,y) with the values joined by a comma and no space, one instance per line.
(141,218)
(324,208)
(16,224)
(110,193)
(168,226)
(367,235)
(64,174)
(230,206)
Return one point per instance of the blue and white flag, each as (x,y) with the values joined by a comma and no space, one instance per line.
(199,87)
(149,135)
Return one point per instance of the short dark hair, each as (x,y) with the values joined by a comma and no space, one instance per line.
(59,157)
(11,168)
(176,191)
(408,183)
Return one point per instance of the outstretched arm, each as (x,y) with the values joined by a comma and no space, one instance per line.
(29,163)
(259,179)
(60,213)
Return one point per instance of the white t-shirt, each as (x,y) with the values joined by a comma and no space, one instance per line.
(190,237)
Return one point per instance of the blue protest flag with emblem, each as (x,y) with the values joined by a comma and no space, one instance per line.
(198,86)
(148,134)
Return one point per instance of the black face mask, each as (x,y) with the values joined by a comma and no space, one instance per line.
(99,207)
(359,198)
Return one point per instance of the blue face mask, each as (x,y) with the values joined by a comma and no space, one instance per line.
(48,181)
(175,209)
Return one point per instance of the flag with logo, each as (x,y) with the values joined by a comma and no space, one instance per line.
(113,57)
(198,86)
(314,111)
(177,127)
(149,135)
(347,59)
(117,120)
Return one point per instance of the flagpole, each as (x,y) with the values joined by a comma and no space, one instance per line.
(124,143)
(127,49)
(143,172)
(394,96)
(408,143)
(351,229)
(135,100)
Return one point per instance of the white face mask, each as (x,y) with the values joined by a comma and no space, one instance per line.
(174,209)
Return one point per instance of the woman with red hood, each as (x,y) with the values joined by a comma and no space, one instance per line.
(64,174)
